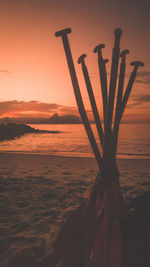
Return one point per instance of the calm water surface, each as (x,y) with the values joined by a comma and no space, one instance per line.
(134,141)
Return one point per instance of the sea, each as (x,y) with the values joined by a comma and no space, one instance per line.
(134,141)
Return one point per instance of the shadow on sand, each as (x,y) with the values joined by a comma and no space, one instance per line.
(136,232)
(136,236)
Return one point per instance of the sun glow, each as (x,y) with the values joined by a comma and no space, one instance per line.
(33,64)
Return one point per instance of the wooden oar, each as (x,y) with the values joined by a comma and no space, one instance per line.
(119,97)
(136,65)
(78,97)
(103,77)
(108,139)
(113,78)
(91,97)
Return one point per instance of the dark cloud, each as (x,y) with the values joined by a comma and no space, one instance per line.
(134,104)
(17,108)
(143,98)
(140,100)
(71,110)
(143,74)
(143,77)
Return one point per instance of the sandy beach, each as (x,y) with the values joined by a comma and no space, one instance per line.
(38,193)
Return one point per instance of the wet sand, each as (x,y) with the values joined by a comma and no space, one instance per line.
(38,193)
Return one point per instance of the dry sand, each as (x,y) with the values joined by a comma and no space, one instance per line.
(38,192)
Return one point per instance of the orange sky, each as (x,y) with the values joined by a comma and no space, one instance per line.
(34,76)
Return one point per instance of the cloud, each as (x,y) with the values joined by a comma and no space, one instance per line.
(143,73)
(5,71)
(68,109)
(137,100)
(21,108)
(143,98)
(143,77)
(134,104)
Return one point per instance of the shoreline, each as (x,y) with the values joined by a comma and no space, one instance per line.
(66,156)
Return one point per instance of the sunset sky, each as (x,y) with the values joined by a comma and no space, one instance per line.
(34,76)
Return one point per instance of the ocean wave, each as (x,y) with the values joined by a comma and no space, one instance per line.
(135,154)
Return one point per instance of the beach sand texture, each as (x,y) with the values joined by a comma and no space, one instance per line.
(39,192)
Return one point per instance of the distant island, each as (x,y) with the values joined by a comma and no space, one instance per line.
(54,119)
(10,131)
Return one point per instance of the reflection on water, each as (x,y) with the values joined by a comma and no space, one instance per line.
(134,141)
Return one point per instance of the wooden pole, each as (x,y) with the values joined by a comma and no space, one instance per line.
(108,139)
(119,97)
(103,77)
(78,97)
(113,78)
(136,64)
(92,99)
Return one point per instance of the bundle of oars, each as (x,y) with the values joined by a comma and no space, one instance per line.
(92,236)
